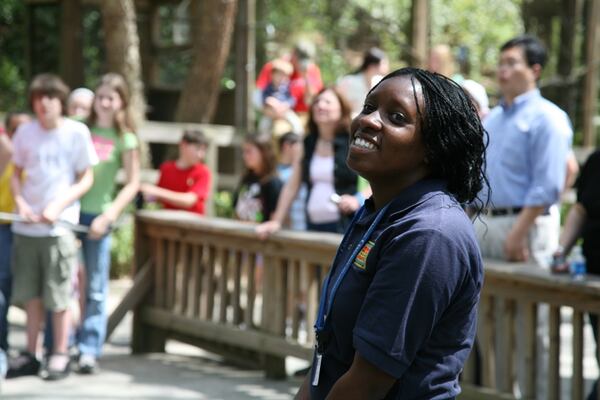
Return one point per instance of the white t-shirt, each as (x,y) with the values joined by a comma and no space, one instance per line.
(320,208)
(51,161)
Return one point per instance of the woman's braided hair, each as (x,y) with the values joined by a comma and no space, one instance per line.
(454,138)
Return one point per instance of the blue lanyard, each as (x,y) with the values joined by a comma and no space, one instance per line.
(323,313)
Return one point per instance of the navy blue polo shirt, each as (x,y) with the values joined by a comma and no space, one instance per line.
(408,304)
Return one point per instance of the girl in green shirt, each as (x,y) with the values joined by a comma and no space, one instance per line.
(117,147)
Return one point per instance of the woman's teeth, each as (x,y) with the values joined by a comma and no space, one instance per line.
(363,143)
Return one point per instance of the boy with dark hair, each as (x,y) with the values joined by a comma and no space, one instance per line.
(52,160)
(184,184)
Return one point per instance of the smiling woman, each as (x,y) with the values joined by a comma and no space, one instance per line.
(397,317)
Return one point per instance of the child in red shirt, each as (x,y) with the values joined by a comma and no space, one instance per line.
(184,184)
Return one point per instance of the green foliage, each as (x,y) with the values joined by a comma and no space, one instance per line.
(93,46)
(343,29)
(481,26)
(340,29)
(45,42)
(12,55)
(223,202)
(121,252)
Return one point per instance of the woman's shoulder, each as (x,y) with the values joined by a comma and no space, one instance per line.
(272,181)
(435,213)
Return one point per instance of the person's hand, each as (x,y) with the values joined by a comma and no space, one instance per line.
(25,212)
(267,228)
(278,108)
(348,204)
(99,227)
(297,153)
(148,191)
(516,247)
(559,263)
(51,213)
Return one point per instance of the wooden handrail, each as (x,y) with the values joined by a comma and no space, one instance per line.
(215,283)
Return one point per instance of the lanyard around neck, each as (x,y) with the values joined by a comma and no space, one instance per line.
(326,304)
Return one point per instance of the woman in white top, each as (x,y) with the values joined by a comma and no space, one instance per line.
(332,190)
(355,87)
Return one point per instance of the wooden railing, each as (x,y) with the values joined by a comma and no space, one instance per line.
(215,283)
(211,282)
(512,289)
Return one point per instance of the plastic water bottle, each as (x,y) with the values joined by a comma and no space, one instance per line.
(577,264)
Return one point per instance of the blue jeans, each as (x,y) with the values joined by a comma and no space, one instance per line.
(96,257)
(5,281)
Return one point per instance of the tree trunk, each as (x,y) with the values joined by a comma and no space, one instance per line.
(71,39)
(566,52)
(123,50)
(590,91)
(245,65)
(419,32)
(212,28)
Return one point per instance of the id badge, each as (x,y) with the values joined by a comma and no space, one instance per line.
(317,369)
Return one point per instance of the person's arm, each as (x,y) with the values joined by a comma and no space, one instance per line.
(82,184)
(286,198)
(516,246)
(573,227)
(548,151)
(362,381)
(5,152)
(572,170)
(182,200)
(350,203)
(23,208)
(304,389)
(131,165)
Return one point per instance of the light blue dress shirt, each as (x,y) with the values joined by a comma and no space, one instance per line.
(529,142)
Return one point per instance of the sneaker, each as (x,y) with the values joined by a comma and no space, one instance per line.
(58,367)
(87,364)
(22,365)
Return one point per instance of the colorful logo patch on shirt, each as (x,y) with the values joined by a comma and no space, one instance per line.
(360,261)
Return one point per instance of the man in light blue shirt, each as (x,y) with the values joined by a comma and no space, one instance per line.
(529,143)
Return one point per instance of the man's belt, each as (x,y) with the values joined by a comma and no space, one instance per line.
(505,211)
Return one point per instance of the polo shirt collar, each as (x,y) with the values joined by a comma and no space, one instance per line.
(411,196)
(521,99)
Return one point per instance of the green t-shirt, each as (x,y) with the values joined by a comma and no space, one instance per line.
(109,147)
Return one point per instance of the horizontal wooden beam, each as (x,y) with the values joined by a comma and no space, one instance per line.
(170,132)
(470,392)
(259,341)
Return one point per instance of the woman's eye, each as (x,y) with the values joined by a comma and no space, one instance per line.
(397,118)
(367,109)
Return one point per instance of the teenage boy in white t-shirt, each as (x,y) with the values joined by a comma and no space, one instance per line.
(52,156)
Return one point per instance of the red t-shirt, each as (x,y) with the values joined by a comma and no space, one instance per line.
(297,84)
(195,179)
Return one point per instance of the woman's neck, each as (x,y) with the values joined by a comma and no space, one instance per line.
(327,132)
(105,122)
(386,191)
